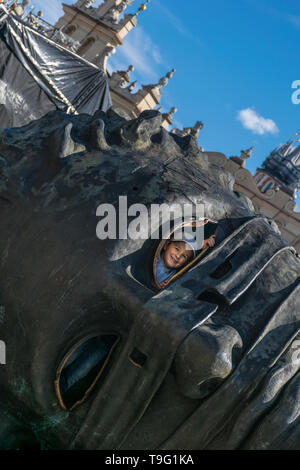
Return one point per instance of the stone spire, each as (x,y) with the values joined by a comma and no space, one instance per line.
(110,10)
(115,11)
(283,165)
(294,156)
(88,3)
(129,21)
(106,5)
(103,56)
(164,80)
(84,3)
(245,154)
(142,7)
(285,148)
(161,83)
(167,118)
(151,94)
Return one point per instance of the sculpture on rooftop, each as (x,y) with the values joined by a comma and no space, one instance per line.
(19,8)
(283,165)
(121,77)
(194,131)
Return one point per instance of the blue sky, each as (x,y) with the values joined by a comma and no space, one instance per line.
(235,63)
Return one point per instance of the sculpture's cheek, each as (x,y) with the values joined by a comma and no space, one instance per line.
(206,358)
(14,434)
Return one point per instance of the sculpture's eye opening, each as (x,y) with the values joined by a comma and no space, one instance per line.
(174,257)
(82,368)
(212,297)
(222,270)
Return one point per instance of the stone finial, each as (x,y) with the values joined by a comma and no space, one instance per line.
(124,74)
(112,15)
(196,129)
(88,3)
(167,117)
(161,83)
(164,80)
(285,148)
(131,86)
(102,58)
(18,9)
(122,6)
(170,113)
(193,131)
(121,77)
(246,153)
(114,12)
(142,7)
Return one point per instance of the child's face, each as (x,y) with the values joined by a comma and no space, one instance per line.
(176,254)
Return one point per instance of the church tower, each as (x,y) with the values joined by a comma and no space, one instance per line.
(98,29)
(93,29)
(281,169)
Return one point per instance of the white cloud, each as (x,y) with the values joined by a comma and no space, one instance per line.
(251,120)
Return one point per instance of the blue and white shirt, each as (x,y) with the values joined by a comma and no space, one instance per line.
(163,273)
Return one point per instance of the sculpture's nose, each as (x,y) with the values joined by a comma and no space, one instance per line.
(205,358)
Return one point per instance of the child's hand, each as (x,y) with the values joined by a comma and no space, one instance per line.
(209,242)
(163,284)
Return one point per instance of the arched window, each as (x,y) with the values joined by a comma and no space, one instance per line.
(268,185)
(69,30)
(85,46)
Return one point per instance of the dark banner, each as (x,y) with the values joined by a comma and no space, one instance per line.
(37,75)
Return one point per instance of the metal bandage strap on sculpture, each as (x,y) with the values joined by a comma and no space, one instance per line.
(111,418)
(253,392)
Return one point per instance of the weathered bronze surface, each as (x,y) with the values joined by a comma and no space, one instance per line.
(207,363)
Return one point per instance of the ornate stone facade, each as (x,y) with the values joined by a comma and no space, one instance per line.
(275,202)
(99,30)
